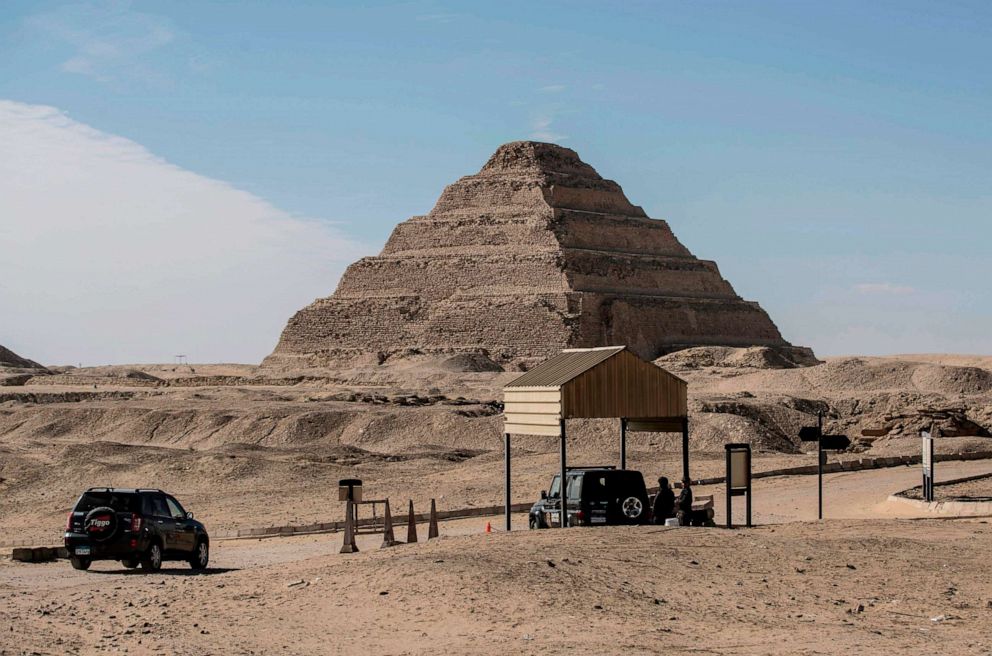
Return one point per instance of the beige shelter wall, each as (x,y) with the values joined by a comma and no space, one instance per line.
(532,411)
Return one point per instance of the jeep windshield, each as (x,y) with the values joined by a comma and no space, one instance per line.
(120,502)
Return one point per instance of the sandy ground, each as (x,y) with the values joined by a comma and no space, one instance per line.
(869,585)
(241,451)
(839,587)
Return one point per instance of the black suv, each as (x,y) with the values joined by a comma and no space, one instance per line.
(135,527)
(597,496)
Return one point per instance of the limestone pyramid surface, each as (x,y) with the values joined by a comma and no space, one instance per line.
(535,253)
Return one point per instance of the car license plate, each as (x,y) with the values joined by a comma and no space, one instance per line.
(597,520)
(82,551)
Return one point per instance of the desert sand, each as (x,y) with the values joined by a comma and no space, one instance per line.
(801,588)
(243,447)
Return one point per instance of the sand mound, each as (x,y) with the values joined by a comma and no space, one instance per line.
(755,357)
(475,362)
(952,380)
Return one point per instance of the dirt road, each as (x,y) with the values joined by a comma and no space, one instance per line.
(849,495)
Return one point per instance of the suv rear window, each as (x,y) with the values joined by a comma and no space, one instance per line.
(120,502)
(596,485)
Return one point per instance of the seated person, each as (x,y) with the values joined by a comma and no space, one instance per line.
(683,505)
(664,502)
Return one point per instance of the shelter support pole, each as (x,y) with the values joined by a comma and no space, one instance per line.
(563,513)
(685,448)
(506,468)
(730,505)
(623,443)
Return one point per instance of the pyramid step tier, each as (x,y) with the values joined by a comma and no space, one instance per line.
(548,231)
(567,270)
(520,325)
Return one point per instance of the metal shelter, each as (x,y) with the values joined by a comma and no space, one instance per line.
(607,382)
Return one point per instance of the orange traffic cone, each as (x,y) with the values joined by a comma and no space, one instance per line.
(489,527)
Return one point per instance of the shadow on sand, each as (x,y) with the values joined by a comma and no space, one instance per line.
(178,571)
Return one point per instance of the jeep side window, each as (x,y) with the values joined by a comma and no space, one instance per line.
(159,507)
(574,488)
(175,510)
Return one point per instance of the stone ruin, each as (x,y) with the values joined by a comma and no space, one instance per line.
(533,254)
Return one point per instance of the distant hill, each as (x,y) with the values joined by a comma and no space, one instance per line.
(10,360)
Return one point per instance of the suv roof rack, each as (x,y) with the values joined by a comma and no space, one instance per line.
(590,467)
(125,490)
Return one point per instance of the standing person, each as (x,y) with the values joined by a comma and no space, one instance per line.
(684,503)
(664,502)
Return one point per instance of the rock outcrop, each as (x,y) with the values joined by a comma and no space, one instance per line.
(533,254)
(11,361)
(15,370)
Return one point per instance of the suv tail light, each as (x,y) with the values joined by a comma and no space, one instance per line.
(68,522)
(580,516)
(135,523)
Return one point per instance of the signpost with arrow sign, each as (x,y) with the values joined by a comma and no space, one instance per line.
(927,465)
(823,443)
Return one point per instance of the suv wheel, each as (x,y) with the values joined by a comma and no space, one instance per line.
(130,563)
(201,555)
(80,563)
(152,561)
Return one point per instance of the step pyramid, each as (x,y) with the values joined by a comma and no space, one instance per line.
(535,253)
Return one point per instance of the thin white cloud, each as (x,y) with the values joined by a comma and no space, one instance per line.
(109,254)
(886,288)
(106,39)
(541,130)
(553,88)
(437,18)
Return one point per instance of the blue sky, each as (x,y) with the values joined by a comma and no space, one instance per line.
(833,158)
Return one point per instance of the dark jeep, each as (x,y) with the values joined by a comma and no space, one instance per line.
(135,527)
(596,496)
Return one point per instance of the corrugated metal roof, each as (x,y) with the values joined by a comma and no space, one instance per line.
(565,366)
